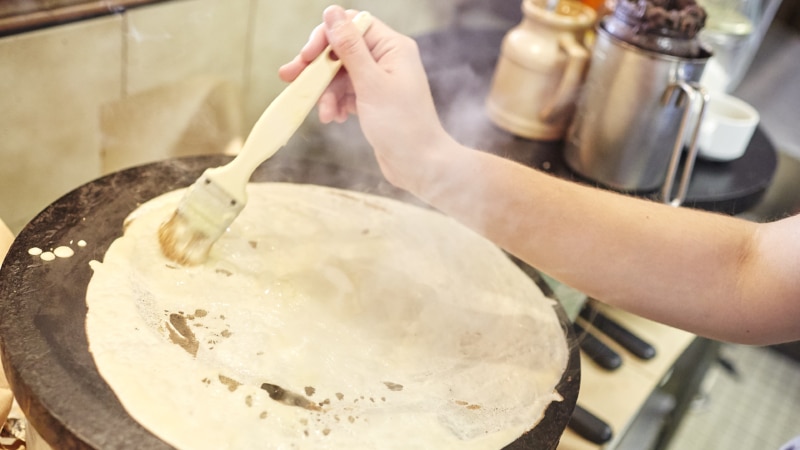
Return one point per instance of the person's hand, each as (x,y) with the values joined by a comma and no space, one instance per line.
(384,82)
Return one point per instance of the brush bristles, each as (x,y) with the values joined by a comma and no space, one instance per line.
(180,243)
(205,212)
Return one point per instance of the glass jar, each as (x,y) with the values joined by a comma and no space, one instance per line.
(734,31)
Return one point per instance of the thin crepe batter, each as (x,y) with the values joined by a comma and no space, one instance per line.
(324,318)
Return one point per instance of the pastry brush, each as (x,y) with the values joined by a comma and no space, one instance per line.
(212,203)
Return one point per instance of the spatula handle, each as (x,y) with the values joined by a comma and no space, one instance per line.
(282,118)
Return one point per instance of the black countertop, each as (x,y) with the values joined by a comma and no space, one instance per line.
(460,64)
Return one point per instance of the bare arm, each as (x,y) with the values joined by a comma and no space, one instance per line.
(707,273)
(710,274)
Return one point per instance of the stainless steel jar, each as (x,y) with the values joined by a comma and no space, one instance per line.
(637,109)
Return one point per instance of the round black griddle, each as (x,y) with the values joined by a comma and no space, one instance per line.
(42,304)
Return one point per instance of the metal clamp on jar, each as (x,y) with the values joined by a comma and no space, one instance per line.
(642,99)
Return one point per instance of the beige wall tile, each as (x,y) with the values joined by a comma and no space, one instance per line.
(184,71)
(199,115)
(280,29)
(409,16)
(172,41)
(53,81)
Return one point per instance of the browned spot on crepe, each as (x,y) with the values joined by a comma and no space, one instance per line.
(393,386)
(181,334)
(289,398)
(230,382)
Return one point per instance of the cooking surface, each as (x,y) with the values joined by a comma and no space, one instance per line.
(45,350)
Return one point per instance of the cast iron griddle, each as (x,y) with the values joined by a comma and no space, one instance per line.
(42,304)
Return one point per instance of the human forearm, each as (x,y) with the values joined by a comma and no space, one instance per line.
(711,274)
(673,265)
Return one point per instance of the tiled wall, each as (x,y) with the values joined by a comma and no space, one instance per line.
(280,32)
(49,129)
(174,78)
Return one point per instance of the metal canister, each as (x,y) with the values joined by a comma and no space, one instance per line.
(637,109)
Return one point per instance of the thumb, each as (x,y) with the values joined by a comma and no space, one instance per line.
(347,42)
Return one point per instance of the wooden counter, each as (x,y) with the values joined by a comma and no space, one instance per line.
(617,396)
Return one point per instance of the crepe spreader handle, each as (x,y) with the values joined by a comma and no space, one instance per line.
(631,342)
(589,426)
(596,350)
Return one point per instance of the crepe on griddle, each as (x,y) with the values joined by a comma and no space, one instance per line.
(324,318)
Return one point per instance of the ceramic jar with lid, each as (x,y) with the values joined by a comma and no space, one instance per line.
(540,70)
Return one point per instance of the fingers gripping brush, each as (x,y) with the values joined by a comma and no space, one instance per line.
(213,202)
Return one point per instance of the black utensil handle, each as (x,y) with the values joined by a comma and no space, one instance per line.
(596,350)
(631,342)
(589,426)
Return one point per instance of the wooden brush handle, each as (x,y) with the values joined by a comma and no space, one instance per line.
(281,119)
